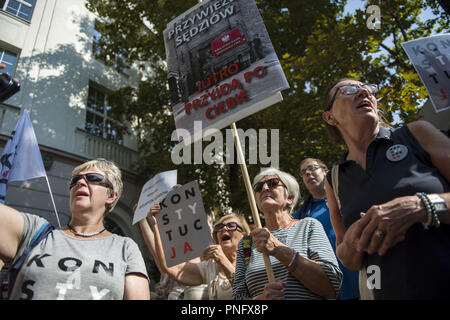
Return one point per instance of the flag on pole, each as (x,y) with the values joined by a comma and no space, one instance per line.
(21,159)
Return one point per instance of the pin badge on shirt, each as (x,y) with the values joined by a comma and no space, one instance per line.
(397,152)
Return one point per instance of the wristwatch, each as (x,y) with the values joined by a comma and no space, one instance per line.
(438,203)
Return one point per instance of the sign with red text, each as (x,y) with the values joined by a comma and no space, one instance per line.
(431,58)
(183,224)
(221,65)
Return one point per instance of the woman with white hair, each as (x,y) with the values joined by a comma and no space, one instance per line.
(301,256)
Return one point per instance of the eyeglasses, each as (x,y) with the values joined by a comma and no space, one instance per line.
(91,178)
(352,89)
(310,168)
(231,226)
(271,183)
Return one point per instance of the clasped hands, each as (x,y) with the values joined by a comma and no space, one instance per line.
(383,226)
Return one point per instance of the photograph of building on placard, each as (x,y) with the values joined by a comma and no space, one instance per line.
(222,66)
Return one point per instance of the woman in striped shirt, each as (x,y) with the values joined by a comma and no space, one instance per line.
(301,256)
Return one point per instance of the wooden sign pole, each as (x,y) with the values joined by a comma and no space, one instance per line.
(251,196)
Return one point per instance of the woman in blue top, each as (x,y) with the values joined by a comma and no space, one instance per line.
(394,193)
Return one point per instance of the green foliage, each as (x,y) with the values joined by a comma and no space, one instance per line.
(316,44)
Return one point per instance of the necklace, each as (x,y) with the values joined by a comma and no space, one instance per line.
(290,223)
(86,235)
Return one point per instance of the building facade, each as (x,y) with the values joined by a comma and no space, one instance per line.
(51,47)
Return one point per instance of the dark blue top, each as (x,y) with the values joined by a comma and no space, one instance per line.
(318,209)
(419,266)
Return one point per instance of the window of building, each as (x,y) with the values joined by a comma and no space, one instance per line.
(112,60)
(9,59)
(97,121)
(20,8)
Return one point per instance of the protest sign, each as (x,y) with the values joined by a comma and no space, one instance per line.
(430,57)
(153,191)
(221,64)
(183,224)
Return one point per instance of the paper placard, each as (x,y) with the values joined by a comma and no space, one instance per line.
(222,66)
(153,191)
(183,224)
(431,58)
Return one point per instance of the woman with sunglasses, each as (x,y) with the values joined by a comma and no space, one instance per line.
(301,256)
(82,260)
(391,209)
(218,261)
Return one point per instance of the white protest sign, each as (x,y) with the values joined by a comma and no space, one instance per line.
(153,191)
(183,224)
(222,66)
(431,58)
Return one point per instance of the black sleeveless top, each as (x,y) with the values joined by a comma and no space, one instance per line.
(419,266)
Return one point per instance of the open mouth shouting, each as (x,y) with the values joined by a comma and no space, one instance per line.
(365,104)
(225,238)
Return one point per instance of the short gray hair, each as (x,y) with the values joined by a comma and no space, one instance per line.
(292,186)
(112,174)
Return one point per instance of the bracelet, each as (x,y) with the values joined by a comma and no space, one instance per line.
(422,197)
(291,266)
(432,218)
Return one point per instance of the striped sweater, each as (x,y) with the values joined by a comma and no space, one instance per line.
(308,238)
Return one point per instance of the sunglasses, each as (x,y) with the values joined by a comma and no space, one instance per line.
(310,168)
(231,226)
(271,183)
(91,178)
(352,89)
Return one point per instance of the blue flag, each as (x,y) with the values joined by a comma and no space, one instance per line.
(21,159)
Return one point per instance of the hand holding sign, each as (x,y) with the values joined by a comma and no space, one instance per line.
(153,191)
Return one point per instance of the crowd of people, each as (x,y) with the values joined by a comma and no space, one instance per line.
(385,204)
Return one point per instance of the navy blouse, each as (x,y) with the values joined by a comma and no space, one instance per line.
(419,266)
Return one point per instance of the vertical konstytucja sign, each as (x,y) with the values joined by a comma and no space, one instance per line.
(221,64)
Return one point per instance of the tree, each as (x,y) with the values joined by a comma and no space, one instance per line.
(316,44)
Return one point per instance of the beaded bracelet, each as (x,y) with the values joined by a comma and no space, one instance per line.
(425,202)
(291,266)
(432,218)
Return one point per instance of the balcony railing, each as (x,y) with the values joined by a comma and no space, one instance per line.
(92,147)
(86,144)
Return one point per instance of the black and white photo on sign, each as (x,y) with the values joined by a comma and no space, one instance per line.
(221,64)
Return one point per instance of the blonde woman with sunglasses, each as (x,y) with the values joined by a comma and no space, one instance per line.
(81,261)
(218,261)
(302,259)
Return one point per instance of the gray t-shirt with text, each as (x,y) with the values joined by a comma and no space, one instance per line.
(62,267)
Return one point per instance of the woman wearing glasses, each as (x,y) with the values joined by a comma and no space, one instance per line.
(218,261)
(81,261)
(393,190)
(301,256)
